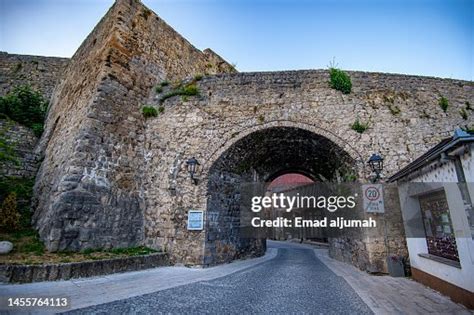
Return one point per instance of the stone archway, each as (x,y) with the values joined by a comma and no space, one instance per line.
(261,156)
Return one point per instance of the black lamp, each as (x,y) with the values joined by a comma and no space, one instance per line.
(376,164)
(192,165)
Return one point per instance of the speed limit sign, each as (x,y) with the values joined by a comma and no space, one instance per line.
(373,198)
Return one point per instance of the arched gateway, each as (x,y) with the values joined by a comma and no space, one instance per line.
(261,156)
(112,178)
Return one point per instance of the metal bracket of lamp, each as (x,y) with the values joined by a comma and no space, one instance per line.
(192,165)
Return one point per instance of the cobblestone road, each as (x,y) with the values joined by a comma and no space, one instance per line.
(294,282)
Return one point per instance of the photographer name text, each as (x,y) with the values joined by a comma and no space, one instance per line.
(300,222)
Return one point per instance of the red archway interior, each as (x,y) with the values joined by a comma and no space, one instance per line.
(288,181)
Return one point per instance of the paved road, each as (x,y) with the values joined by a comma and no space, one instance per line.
(294,282)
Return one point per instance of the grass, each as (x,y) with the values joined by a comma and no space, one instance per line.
(190,89)
(28,249)
(463,113)
(25,241)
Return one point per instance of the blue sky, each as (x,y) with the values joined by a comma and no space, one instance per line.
(422,37)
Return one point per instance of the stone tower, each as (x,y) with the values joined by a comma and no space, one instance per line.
(88,192)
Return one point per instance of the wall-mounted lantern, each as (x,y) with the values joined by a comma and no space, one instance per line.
(376,165)
(192,165)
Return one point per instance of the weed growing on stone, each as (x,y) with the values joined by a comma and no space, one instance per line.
(340,80)
(394,109)
(359,126)
(149,111)
(190,89)
(463,113)
(443,103)
(18,67)
(146,13)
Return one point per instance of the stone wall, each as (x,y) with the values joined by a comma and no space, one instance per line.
(368,249)
(64,271)
(41,73)
(233,106)
(89,190)
(22,141)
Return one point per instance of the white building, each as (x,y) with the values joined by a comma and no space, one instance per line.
(436,194)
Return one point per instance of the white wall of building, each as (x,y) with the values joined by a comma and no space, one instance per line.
(442,177)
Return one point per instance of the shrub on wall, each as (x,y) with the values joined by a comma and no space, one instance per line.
(443,103)
(359,126)
(149,111)
(22,188)
(9,215)
(340,80)
(190,90)
(25,106)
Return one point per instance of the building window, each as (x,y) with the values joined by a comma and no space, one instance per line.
(438,227)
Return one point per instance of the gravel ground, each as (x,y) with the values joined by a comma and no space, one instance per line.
(294,282)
